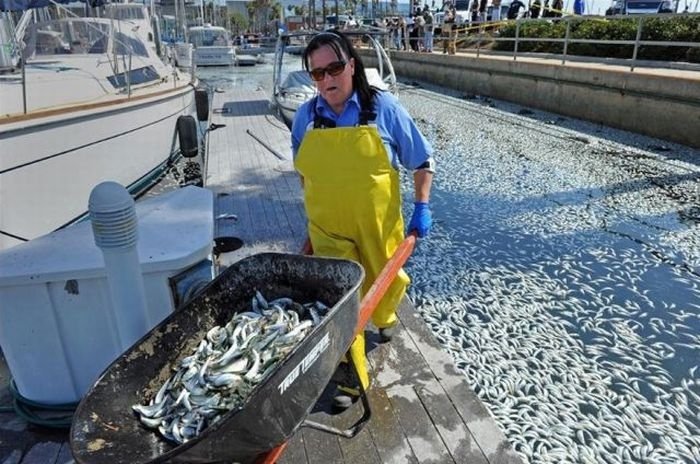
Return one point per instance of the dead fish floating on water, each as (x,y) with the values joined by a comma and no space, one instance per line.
(226,365)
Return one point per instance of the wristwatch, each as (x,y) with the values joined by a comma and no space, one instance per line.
(429,165)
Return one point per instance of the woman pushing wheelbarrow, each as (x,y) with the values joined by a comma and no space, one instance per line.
(348,143)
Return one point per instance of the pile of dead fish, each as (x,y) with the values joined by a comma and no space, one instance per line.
(563,278)
(226,365)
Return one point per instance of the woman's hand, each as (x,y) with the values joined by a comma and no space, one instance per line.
(422,219)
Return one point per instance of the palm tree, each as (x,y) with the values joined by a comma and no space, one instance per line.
(350,5)
(259,11)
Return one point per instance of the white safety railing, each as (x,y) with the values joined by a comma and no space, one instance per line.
(479,34)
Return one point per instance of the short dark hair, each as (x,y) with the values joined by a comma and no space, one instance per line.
(343,48)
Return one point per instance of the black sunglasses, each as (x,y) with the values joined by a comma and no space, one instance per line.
(333,69)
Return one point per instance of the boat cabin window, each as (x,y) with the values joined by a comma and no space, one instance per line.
(134,77)
(125,45)
(208,37)
(64,37)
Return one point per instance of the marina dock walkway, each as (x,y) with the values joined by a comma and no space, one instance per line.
(422,409)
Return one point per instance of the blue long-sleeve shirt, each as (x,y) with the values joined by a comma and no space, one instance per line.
(405,144)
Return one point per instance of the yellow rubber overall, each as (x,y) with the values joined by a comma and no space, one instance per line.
(353,204)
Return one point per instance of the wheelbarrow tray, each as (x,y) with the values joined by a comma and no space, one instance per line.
(105,430)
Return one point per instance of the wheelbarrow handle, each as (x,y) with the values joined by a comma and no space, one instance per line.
(272,456)
(367,306)
(384,279)
(381,284)
(306,248)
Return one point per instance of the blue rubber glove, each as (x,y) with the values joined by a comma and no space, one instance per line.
(421,219)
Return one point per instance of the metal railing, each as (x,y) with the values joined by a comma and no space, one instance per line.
(481,33)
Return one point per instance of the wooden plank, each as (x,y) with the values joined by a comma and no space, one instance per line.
(65,456)
(264,193)
(387,433)
(425,442)
(42,453)
(398,376)
(361,448)
(454,433)
(391,443)
(320,447)
(478,420)
(295,452)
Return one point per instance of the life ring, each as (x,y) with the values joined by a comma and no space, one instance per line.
(187,136)
(201,100)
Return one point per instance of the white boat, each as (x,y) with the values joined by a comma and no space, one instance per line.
(93,102)
(246,60)
(174,37)
(212,46)
(141,21)
(180,54)
(292,88)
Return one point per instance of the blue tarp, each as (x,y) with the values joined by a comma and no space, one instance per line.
(19,5)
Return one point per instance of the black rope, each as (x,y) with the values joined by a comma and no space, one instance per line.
(16,237)
(57,416)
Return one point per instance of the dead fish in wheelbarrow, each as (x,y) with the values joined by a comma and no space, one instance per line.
(227,363)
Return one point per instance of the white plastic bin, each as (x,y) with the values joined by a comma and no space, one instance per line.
(57,326)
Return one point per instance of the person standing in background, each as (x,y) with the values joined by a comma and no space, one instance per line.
(482,9)
(557,8)
(496,10)
(474,11)
(427,30)
(514,9)
(448,43)
(410,24)
(419,29)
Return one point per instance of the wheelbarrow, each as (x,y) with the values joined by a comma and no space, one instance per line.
(106,431)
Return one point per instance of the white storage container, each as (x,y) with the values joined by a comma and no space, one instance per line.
(57,327)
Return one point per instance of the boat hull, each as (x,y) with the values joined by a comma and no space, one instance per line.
(181,54)
(51,161)
(287,110)
(214,56)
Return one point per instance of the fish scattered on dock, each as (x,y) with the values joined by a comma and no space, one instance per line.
(564,278)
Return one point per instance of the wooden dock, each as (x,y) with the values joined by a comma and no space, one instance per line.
(422,409)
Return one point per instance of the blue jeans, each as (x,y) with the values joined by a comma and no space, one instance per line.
(428,41)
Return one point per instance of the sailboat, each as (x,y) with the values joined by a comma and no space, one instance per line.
(88,100)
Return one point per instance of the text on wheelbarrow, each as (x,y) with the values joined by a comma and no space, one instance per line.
(305,363)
